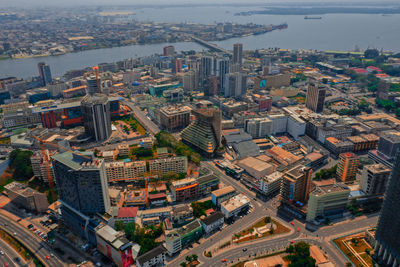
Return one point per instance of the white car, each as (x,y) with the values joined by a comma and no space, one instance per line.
(1,252)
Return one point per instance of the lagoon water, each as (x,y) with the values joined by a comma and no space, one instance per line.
(332,32)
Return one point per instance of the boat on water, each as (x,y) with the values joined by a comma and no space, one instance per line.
(312,17)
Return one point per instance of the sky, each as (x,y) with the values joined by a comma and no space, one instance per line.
(43,3)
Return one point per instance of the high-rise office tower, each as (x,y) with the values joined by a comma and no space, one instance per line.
(315,99)
(169,51)
(96,116)
(238,53)
(347,167)
(223,70)
(190,81)
(387,246)
(93,85)
(206,68)
(296,185)
(176,65)
(44,73)
(83,190)
(205,133)
(235,84)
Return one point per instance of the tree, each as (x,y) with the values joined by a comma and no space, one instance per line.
(119,225)
(371,53)
(267,219)
(189,258)
(20,162)
(300,255)
(183,264)
(349,264)
(195,257)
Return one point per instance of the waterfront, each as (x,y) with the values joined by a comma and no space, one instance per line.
(332,32)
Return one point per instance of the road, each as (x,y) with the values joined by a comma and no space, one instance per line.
(38,246)
(142,118)
(9,255)
(320,237)
(258,213)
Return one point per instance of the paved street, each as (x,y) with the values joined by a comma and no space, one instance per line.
(142,118)
(9,255)
(320,237)
(38,246)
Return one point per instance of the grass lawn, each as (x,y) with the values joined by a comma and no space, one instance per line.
(360,249)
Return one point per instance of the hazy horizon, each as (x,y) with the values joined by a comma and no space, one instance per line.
(48,3)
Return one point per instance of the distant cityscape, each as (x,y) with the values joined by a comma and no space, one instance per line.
(222,157)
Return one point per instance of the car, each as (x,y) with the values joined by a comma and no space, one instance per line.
(224,260)
(34,229)
(1,252)
(16,259)
(47,258)
(292,223)
(19,220)
(14,233)
(5,264)
(30,226)
(51,255)
(244,250)
(298,229)
(292,241)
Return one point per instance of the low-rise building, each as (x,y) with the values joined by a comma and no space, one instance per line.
(327,201)
(182,213)
(146,143)
(115,246)
(115,196)
(220,195)
(212,222)
(162,153)
(154,257)
(337,146)
(180,238)
(135,198)
(168,165)
(207,183)
(26,197)
(123,171)
(157,199)
(164,212)
(109,156)
(235,205)
(123,150)
(127,214)
(185,189)
(255,167)
(374,179)
(271,183)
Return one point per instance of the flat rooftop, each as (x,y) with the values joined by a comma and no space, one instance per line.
(330,188)
(223,191)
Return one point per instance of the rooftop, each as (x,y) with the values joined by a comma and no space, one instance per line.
(127,212)
(255,164)
(297,172)
(330,188)
(212,218)
(235,202)
(150,255)
(78,161)
(174,110)
(188,228)
(377,168)
(223,191)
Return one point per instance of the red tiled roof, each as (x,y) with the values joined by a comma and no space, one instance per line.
(159,195)
(127,212)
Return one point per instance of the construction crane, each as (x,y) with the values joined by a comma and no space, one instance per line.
(96,72)
(47,163)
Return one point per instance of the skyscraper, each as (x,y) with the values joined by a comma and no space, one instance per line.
(44,73)
(238,53)
(235,84)
(223,70)
(205,133)
(92,85)
(315,99)
(96,116)
(83,190)
(387,246)
(169,51)
(206,68)
(347,167)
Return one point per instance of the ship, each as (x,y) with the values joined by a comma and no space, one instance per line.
(312,17)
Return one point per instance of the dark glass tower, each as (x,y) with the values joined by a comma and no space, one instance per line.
(387,235)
